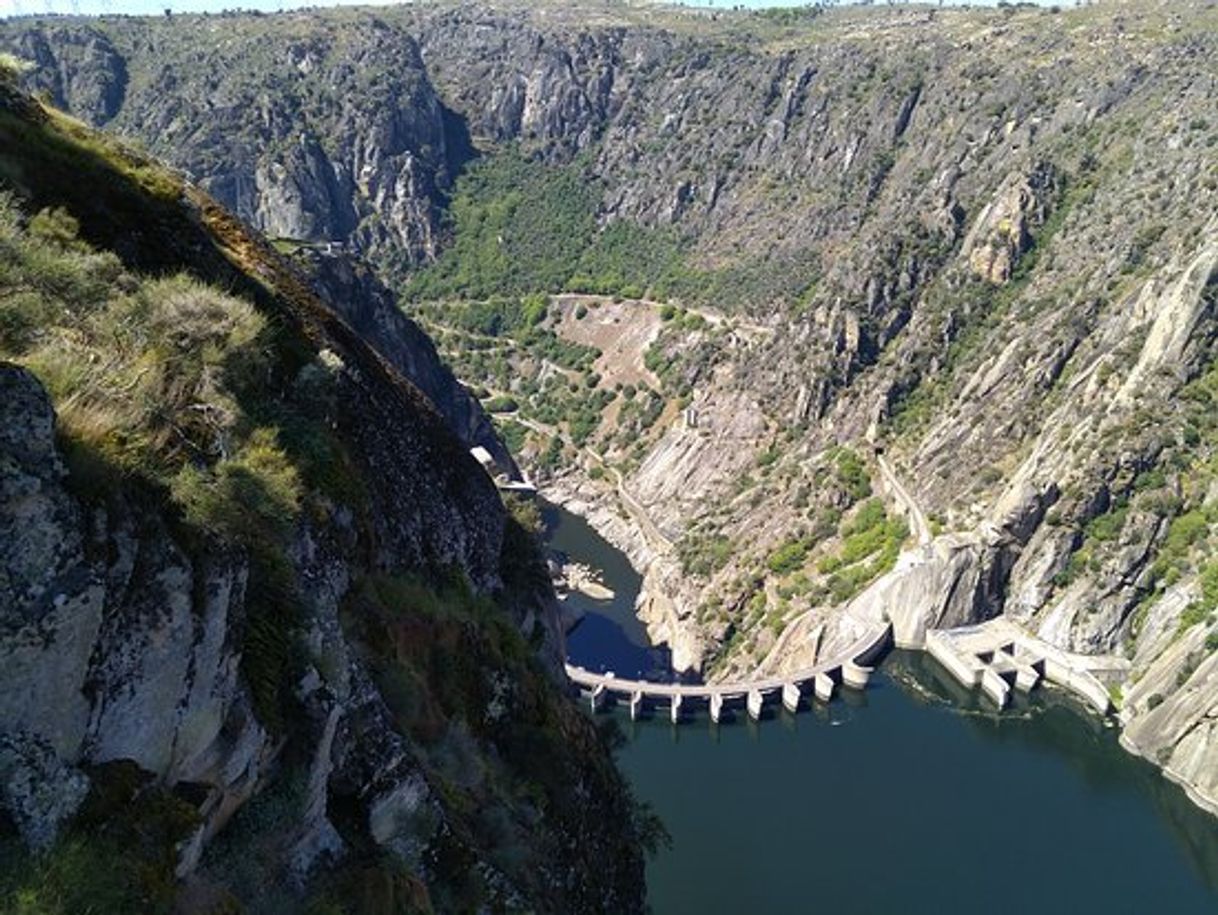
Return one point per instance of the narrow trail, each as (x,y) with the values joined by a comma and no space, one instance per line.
(918,523)
(653,535)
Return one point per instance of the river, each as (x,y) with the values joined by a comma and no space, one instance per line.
(913,797)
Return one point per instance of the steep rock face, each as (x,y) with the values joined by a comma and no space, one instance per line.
(1171,717)
(106,654)
(48,596)
(355,293)
(415,85)
(38,790)
(275,144)
(79,67)
(1004,228)
(955,581)
(224,669)
(121,643)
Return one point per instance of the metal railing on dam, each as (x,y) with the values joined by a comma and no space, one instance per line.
(851,668)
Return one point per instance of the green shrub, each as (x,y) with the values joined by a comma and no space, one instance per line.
(852,474)
(1107,526)
(1196,613)
(502,404)
(116,855)
(252,497)
(514,434)
(11,68)
(704,554)
(788,558)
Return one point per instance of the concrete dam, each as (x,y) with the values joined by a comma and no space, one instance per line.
(852,669)
(997,656)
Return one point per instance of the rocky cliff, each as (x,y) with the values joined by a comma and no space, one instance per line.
(918,304)
(269,637)
(352,289)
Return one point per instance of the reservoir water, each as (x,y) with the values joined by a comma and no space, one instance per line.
(912,797)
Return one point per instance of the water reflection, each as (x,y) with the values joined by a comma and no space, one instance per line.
(609,636)
(1052,721)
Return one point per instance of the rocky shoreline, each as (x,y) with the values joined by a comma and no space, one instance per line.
(659,604)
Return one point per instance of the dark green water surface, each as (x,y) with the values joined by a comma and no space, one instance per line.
(912,797)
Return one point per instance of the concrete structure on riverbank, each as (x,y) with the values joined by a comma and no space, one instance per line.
(523,486)
(999,656)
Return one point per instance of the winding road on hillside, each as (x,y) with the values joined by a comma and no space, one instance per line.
(652,534)
(714,318)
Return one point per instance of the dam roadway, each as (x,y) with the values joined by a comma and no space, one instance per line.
(852,667)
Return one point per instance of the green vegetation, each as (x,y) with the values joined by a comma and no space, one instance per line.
(495,316)
(869,535)
(520,226)
(502,404)
(1102,529)
(116,855)
(87,156)
(1197,613)
(504,344)
(852,473)
(1186,531)
(789,557)
(11,68)
(513,434)
(704,554)
(517,321)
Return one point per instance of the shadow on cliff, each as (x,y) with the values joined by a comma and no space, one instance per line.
(459,149)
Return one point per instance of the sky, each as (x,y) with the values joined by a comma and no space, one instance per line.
(156,7)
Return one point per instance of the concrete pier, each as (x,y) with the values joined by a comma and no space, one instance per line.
(597,697)
(676,708)
(998,653)
(855,675)
(755,703)
(964,667)
(636,704)
(995,687)
(824,687)
(1082,683)
(716,707)
(1026,677)
(790,697)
